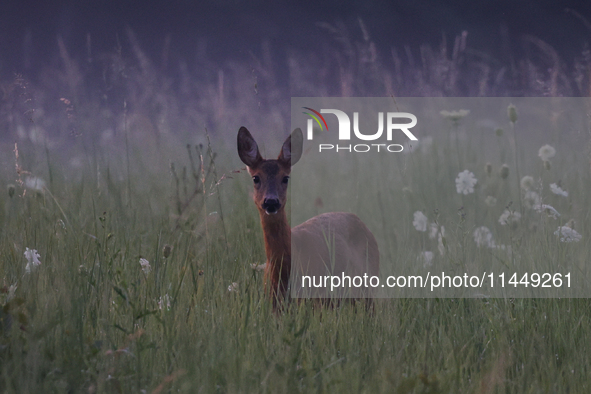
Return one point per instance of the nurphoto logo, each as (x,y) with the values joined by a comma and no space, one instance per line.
(344,132)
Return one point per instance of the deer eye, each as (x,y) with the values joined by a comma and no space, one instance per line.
(256,179)
(285,179)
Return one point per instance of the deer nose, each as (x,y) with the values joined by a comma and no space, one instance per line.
(271,205)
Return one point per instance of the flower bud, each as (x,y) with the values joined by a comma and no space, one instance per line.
(504,171)
(512,113)
(488,168)
(166,251)
(499,132)
(11,190)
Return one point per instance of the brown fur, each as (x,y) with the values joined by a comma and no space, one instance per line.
(334,243)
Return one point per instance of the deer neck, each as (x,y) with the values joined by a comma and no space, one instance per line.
(278,249)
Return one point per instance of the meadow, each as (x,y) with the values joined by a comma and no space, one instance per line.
(129,243)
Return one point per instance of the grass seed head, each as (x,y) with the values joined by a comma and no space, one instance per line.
(166,251)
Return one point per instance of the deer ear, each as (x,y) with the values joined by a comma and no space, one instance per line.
(292,148)
(248,150)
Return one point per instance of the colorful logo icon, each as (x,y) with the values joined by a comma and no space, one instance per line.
(315,116)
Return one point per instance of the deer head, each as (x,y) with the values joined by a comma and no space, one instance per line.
(270,177)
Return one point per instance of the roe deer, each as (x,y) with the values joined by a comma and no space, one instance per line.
(335,243)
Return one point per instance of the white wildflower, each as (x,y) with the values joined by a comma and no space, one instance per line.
(558,190)
(567,234)
(455,116)
(546,152)
(531,199)
(35,183)
(11,292)
(437,231)
(420,221)
(233,287)
(258,267)
(427,258)
(483,237)
(164,302)
(145,266)
(32,259)
(490,201)
(508,217)
(465,182)
(433,230)
(527,183)
(548,209)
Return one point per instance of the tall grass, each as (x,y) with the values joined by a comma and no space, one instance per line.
(89,319)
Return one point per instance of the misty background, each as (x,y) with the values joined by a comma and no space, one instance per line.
(155,68)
